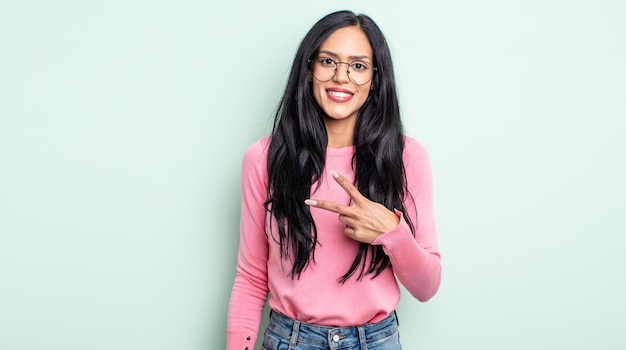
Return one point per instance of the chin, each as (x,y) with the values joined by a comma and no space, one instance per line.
(336,116)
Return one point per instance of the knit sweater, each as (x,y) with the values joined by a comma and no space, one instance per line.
(317,297)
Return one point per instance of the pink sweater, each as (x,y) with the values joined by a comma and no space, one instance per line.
(317,297)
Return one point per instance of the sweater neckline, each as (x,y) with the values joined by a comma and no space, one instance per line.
(341,151)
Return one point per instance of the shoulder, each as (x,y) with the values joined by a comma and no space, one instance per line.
(414,150)
(255,156)
(258,149)
(417,166)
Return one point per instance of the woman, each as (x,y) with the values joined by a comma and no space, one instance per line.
(336,203)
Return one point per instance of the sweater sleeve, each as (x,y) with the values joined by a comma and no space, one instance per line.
(250,289)
(415,257)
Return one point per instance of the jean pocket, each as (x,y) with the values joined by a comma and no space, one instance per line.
(271,342)
(387,342)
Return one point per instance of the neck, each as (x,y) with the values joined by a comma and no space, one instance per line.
(340,132)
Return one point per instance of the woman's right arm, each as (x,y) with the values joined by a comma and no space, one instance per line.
(250,290)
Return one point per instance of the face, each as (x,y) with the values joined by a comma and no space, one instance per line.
(339,97)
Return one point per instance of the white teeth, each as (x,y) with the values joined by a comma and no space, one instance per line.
(339,93)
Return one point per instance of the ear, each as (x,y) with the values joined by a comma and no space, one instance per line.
(310,76)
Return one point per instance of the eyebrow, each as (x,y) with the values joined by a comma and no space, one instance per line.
(353,57)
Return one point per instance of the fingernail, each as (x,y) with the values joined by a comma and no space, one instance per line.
(310,202)
(334,174)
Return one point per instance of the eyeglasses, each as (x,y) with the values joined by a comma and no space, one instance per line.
(325,69)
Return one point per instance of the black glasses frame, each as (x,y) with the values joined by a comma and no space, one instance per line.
(374,70)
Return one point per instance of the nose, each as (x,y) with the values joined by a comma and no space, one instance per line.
(341,75)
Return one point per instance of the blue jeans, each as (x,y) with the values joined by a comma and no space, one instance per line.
(284,333)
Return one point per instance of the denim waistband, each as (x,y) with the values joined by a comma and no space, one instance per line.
(297,332)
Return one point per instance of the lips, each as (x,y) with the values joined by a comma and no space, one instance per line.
(339,95)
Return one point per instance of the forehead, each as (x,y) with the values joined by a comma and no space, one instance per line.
(348,42)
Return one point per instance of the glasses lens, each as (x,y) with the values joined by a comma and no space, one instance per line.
(324,69)
(360,73)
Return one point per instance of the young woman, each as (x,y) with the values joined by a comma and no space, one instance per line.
(336,203)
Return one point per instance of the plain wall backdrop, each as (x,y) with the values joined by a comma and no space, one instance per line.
(123,125)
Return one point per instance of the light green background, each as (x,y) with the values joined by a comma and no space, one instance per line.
(123,124)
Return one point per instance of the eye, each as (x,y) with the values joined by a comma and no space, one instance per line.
(358,66)
(326,62)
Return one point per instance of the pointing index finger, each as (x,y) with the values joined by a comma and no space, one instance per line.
(352,191)
(327,205)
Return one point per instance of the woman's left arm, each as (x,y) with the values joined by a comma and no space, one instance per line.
(415,256)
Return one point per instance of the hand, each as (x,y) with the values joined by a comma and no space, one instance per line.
(365,220)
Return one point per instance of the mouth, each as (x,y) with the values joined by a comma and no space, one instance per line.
(339,95)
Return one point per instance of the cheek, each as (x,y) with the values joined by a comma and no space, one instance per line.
(364,93)
(317,92)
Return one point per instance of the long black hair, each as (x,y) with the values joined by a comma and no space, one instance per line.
(296,155)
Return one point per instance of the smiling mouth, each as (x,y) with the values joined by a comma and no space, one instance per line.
(339,94)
